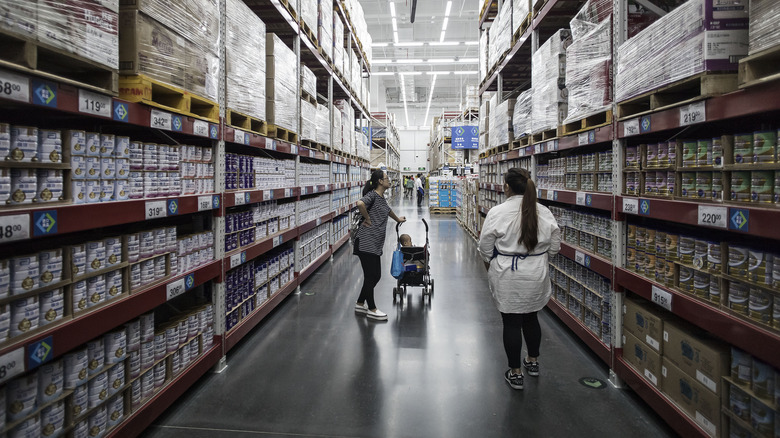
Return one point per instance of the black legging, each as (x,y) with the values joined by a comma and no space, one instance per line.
(420,197)
(372,272)
(517,325)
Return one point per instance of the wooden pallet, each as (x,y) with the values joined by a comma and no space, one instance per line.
(586,123)
(521,30)
(290,8)
(247,123)
(498,149)
(308,97)
(760,68)
(325,148)
(549,134)
(56,64)
(143,89)
(282,134)
(309,32)
(521,142)
(443,210)
(311,144)
(700,86)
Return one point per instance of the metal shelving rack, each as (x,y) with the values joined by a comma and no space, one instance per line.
(747,105)
(67,222)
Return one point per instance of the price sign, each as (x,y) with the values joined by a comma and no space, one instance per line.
(277,241)
(270,144)
(239,136)
(11,364)
(579,257)
(267,195)
(174,289)
(319,221)
(237,259)
(693,113)
(240,198)
(713,216)
(551,195)
(287,193)
(503,156)
(205,203)
(94,103)
(580,198)
(161,120)
(631,206)
(201,128)
(156,209)
(582,138)
(631,127)
(327,156)
(662,298)
(312,154)
(15,227)
(14,87)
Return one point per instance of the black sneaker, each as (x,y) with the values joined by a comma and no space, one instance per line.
(531,367)
(514,380)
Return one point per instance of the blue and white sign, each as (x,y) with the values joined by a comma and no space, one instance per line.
(465,137)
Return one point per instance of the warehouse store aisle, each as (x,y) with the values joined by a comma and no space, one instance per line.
(316,369)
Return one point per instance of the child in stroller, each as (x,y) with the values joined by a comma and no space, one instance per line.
(416,266)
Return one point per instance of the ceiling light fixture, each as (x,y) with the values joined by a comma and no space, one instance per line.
(410,73)
(445,43)
(432,73)
(444,25)
(395,37)
(392,9)
(468,60)
(449,7)
(466,72)
(403,95)
(411,44)
(440,61)
(395,25)
(391,62)
(412,61)
(441,40)
(430,96)
(472,43)
(383,73)
(380,44)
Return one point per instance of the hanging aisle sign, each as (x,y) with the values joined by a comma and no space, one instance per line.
(465,137)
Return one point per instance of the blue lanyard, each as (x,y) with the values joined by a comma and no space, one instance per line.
(515,257)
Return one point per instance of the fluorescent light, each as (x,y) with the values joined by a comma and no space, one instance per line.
(430,96)
(403,94)
(447,11)
(411,61)
(444,25)
(383,73)
(380,44)
(432,73)
(395,37)
(466,72)
(392,9)
(472,43)
(441,40)
(411,44)
(410,73)
(445,43)
(469,60)
(395,25)
(441,61)
(381,61)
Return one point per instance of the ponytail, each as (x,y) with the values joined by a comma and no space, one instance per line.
(519,180)
(373,183)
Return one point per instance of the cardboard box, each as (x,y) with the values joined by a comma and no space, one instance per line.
(646,361)
(19,17)
(149,48)
(693,397)
(702,358)
(644,322)
(195,20)
(202,73)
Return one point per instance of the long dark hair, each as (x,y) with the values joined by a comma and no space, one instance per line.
(519,180)
(373,183)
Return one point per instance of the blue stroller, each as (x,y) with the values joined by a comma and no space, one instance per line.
(416,267)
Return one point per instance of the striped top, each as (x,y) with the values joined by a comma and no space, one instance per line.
(371,239)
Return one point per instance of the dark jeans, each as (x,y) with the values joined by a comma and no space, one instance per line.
(420,197)
(372,272)
(516,326)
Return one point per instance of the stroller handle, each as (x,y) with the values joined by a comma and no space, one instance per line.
(398,226)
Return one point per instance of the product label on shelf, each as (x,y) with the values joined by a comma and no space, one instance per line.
(287,193)
(582,138)
(237,259)
(693,113)
(200,127)
(551,195)
(14,227)
(712,216)
(503,156)
(579,257)
(161,120)
(706,424)
(240,137)
(241,198)
(630,206)
(270,144)
(174,289)
(662,298)
(267,195)
(94,103)
(11,364)
(580,198)
(14,87)
(631,127)
(319,221)
(205,203)
(706,381)
(277,240)
(156,209)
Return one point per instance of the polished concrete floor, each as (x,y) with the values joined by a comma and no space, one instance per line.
(316,369)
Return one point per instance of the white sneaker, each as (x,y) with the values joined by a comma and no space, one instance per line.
(361,308)
(376,314)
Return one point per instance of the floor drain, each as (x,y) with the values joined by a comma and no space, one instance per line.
(593,383)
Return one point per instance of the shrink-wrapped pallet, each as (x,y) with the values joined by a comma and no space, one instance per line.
(202,73)
(762,31)
(309,14)
(588,72)
(336,140)
(149,48)
(484,113)
(338,43)
(501,129)
(548,80)
(19,17)
(281,84)
(521,117)
(472,96)
(483,56)
(308,82)
(325,27)
(308,121)
(86,28)
(696,37)
(323,126)
(589,16)
(520,12)
(195,20)
(500,34)
(245,53)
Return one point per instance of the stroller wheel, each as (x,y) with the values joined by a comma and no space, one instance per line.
(431,286)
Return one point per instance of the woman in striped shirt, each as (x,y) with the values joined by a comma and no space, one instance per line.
(370,240)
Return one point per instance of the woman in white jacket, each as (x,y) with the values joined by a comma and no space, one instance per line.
(517,238)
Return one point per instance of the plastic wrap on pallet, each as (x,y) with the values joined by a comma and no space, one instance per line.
(548,79)
(347,124)
(149,48)
(308,121)
(520,11)
(337,142)
(202,74)
(501,129)
(195,20)
(322,123)
(762,31)
(693,38)
(85,28)
(281,84)
(19,17)
(589,16)
(521,117)
(308,81)
(325,26)
(245,60)
(500,34)
(483,56)
(309,13)
(484,113)
(588,67)
(338,43)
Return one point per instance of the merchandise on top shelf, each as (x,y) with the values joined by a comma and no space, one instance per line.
(548,79)
(322,125)
(500,35)
(281,84)
(325,26)
(245,87)
(501,128)
(521,118)
(308,121)
(762,34)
